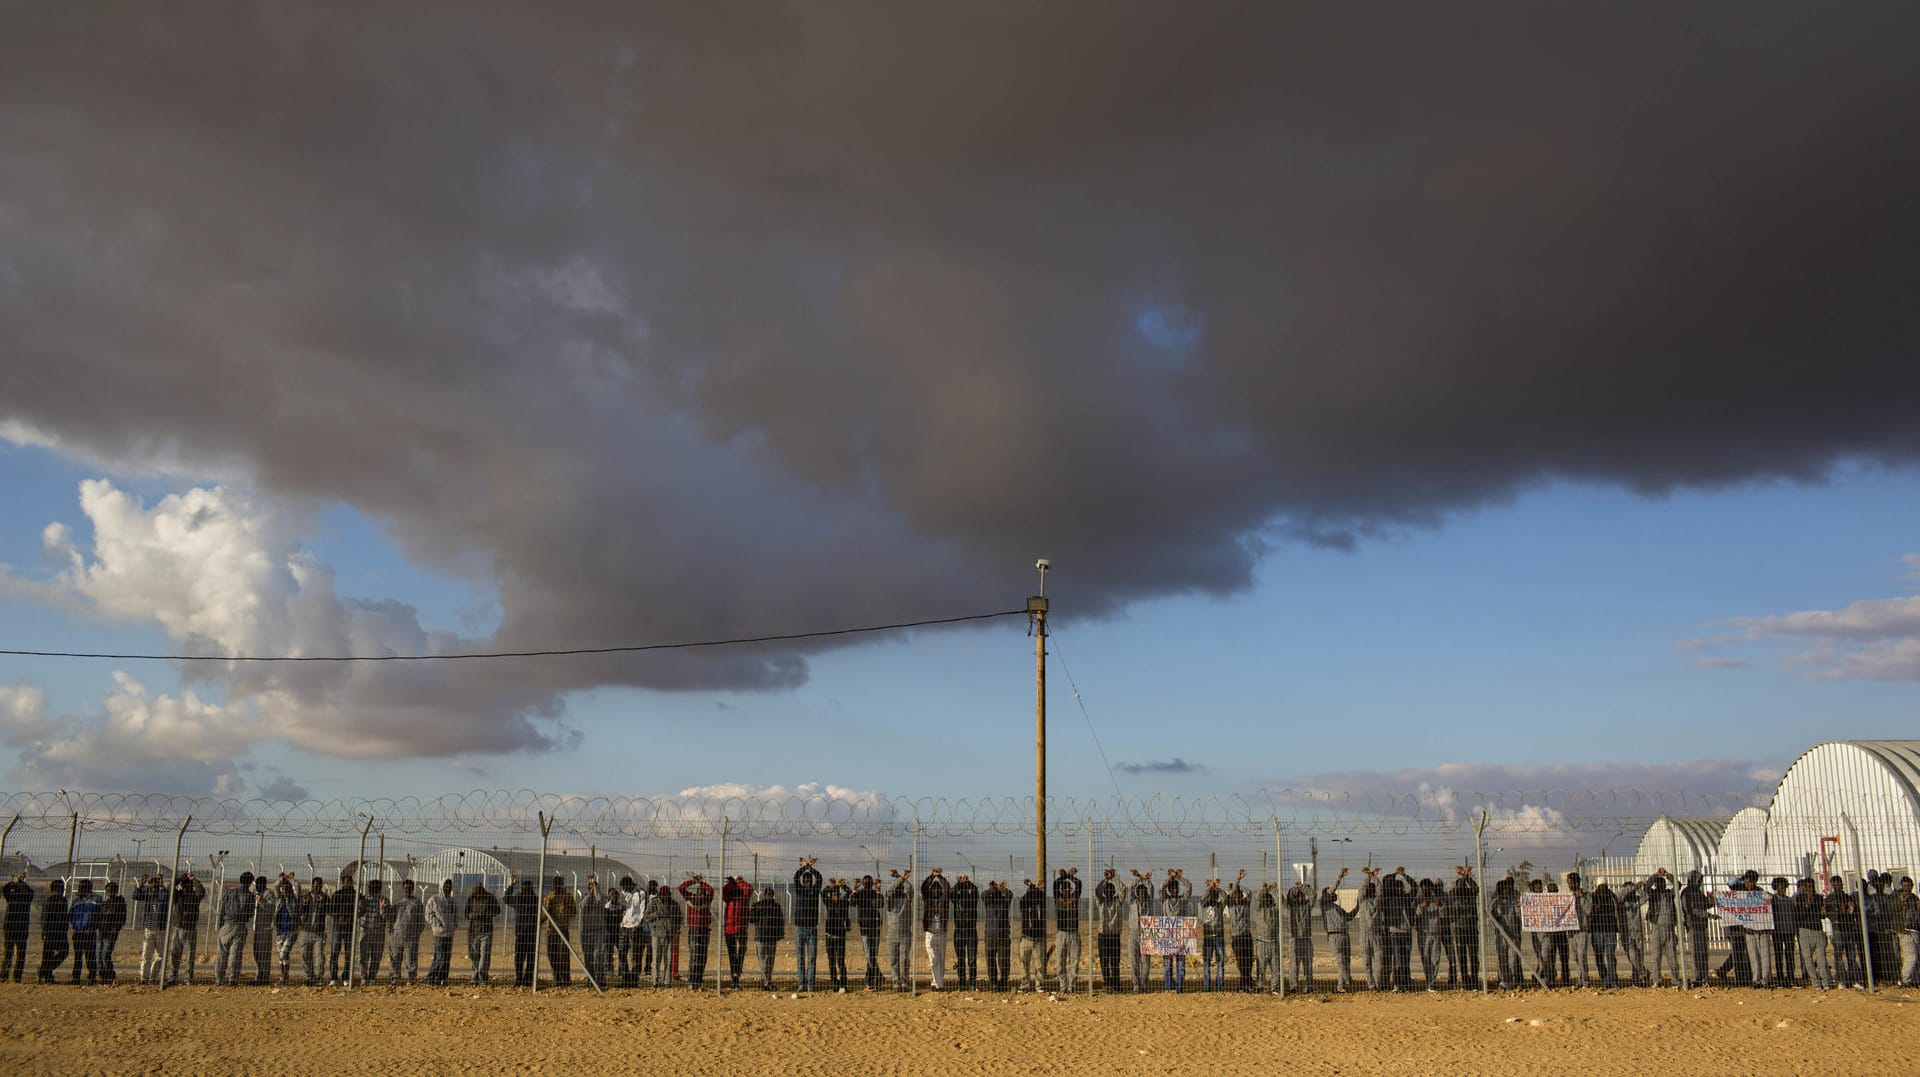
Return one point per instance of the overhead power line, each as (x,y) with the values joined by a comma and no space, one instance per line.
(628,649)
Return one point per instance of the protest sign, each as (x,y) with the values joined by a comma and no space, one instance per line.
(1548,912)
(1170,936)
(1747,908)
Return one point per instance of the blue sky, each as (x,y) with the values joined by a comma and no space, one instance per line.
(1549,630)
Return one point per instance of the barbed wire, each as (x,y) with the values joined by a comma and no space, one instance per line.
(1155,815)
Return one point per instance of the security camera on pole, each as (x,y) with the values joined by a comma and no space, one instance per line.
(1037,615)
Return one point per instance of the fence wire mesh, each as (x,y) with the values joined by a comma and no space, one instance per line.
(1278,892)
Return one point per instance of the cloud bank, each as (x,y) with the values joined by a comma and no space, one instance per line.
(701,323)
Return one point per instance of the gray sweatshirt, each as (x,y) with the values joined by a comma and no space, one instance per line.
(899,910)
(1109,907)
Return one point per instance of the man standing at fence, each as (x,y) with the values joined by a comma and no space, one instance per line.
(187,896)
(663,933)
(1066,925)
(344,908)
(84,916)
(1266,937)
(1033,936)
(1844,913)
(1463,926)
(153,929)
(698,895)
(1213,937)
(1662,921)
(374,916)
(1139,907)
(1110,915)
(900,929)
(996,906)
(558,910)
(481,910)
(1807,911)
(266,906)
(1339,941)
(1505,915)
(965,900)
(1299,907)
(1633,930)
(735,896)
(1905,917)
(113,917)
(807,885)
(1784,941)
(769,923)
(525,906)
(16,926)
(233,922)
(311,918)
(594,950)
(1603,933)
(936,917)
(868,909)
(631,949)
(406,919)
(1580,940)
(440,924)
(1176,899)
(1240,933)
(53,930)
(1694,906)
(837,911)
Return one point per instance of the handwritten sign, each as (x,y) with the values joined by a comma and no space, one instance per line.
(1548,912)
(1170,936)
(1747,908)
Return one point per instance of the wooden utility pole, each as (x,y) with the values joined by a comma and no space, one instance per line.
(1037,611)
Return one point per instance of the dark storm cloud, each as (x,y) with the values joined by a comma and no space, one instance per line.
(1176,765)
(734,318)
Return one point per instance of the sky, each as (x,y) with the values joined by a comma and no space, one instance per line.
(1475,398)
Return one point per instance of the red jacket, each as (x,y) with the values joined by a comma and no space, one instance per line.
(737,895)
(699,899)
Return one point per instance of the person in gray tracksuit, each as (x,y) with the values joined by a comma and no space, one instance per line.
(1110,923)
(663,930)
(1634,930)
(1140,904)
(1662,921)
(406,921)
(899,913)
(1373,940)
(233,923)
(1339,934)
(1579,941)
(1299,902)
(1266,937)
(266,903)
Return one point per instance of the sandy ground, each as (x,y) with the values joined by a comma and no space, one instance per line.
(131,1029)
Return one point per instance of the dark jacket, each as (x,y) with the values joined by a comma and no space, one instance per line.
(113,913)
(53,917)
(312,916)
(806,897)
(19,898)
(965,901)
(1604,913)
(340,906)
(187,896)
(997,904)
(769,920)
(526,911)
(482,908)
(1066,904)
(836,902)
(868,908)
(1033,913)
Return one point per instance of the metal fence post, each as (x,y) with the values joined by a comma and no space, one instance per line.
(166,937)
(719,978)
(1860,873)
(360,880)
(1086,922)
(913,899)
(1480,896)
(1283,921)
(4,834)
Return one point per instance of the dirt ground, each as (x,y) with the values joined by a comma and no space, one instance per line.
(131,1029)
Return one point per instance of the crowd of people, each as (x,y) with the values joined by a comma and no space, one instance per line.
(629,934)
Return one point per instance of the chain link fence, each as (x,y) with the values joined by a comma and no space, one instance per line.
(1315,892)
